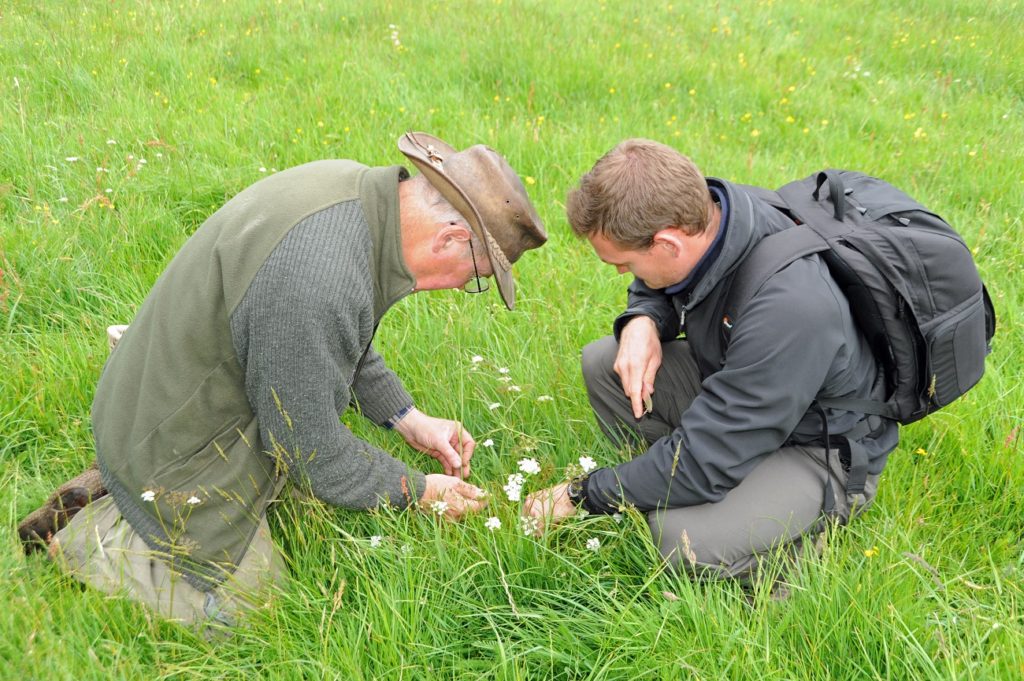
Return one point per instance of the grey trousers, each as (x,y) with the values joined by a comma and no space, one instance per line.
(772,512)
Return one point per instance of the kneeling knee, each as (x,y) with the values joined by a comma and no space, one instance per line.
(705,559)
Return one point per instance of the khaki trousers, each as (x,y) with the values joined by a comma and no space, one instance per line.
(773,511)
(100,548)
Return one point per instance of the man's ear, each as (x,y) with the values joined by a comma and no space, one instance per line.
(671,239)
(448,234)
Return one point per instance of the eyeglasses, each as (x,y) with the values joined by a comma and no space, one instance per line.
(477,284)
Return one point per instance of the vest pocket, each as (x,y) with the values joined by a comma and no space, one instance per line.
(183,468)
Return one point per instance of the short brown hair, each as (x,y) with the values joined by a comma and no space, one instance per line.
(636,190)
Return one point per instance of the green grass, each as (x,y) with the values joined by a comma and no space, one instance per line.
(926,94)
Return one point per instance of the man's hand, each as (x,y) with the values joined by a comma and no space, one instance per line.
(638,361)
(549,506)
(459,497)
(447,441)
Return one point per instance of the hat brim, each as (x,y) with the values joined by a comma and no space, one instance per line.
(451,191)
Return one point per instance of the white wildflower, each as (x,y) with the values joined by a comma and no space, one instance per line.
(148,495)
(439,507)
(529,466)
(505,379)
(375,541)
(594,544)
(514,488)
(71,159)
(193,500)
(476,359)
(545,398)
(515,389)
(111,142)
(529,525)
(493,523)
(503,370)
(587,464)
(487,443)
(63,199)
(493,405)
(406,549)
(617,517)
(263,169)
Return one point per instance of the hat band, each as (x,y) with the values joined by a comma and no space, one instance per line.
(494,250)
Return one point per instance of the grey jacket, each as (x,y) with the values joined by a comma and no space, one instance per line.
(796,342)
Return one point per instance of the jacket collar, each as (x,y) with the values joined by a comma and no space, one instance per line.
(747,222)
(392,279)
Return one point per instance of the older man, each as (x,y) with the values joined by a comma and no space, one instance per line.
(232,376)
(733,464)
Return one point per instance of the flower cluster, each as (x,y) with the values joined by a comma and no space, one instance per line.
(395,40)
(529,525)
(514,487)
(529,466)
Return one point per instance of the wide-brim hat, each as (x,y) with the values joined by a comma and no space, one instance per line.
(483,187)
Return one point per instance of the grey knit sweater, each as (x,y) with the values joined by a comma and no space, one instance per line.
(297,333)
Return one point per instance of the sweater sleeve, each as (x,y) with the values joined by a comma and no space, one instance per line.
(780,354)
(300,332)
(377,389)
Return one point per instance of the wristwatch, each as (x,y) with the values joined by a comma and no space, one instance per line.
(577,491)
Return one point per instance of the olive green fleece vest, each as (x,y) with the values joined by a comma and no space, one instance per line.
(176,439)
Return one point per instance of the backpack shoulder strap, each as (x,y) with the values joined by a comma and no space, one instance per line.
(768,256)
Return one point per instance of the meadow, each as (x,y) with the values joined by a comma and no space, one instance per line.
(123,125)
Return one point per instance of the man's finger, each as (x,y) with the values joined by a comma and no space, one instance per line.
(474,505)
(459,505)
(467,490)
(446,465)
(636,398)
(468,447)
(451,457)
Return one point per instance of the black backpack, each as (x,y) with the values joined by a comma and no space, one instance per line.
(912,285)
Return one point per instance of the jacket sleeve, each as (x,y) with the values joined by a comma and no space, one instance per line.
(781,350)
(651,303)
(300,332)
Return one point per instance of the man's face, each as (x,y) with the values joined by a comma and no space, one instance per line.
(666,262)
